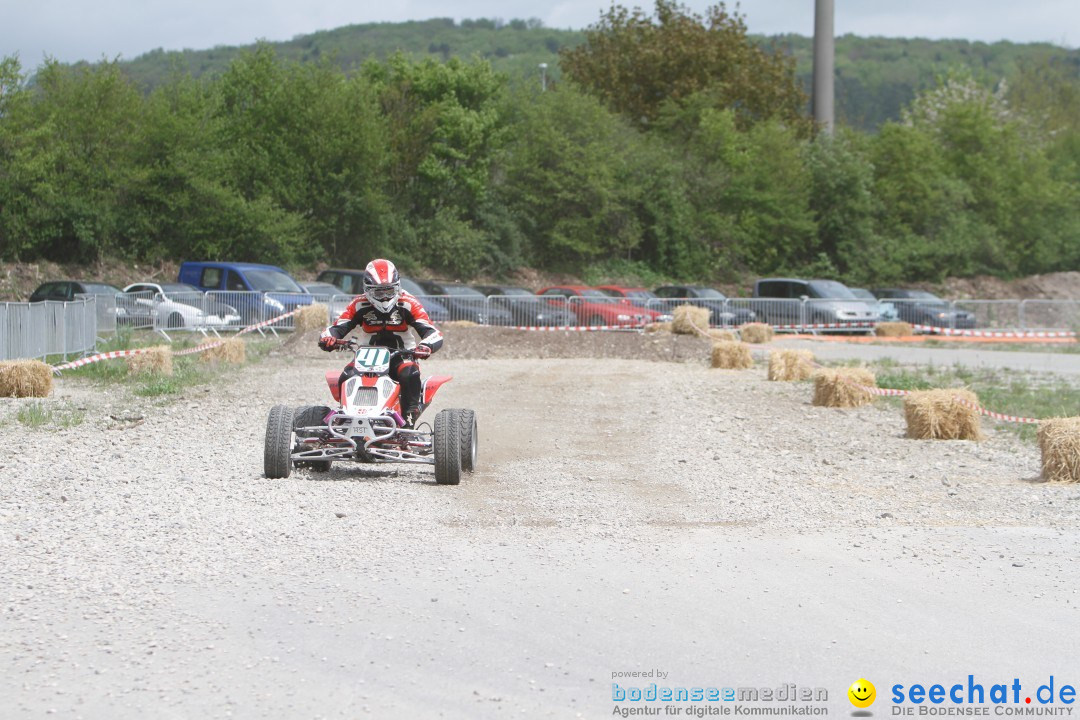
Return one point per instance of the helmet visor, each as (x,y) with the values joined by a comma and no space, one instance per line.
(381,293)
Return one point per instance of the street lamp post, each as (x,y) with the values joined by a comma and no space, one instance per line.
(543,76)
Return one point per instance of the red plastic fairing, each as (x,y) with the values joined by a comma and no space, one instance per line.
(431,386)
(332,380)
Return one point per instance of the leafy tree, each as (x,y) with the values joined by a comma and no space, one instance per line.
(636,62)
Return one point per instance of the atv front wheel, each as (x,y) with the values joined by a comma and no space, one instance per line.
(447,441)
(277,452)
(311,416)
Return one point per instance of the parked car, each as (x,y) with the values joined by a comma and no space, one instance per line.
(824,301)
(526,308)
(106,309)
(321,290)
(720,310)
(920,307)
(638,297)
(278,292)
(886,310)
(66,290)
(593,307)
(465,303)
(351,282)
(176,306)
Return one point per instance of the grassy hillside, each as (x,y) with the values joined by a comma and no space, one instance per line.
(875,76)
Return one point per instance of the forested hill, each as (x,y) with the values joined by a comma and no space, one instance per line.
(875,76)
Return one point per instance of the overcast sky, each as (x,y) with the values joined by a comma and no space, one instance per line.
(72,30)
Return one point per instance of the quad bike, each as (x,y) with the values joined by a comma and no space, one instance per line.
(368,426)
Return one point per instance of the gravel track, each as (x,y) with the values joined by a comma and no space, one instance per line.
(625,514)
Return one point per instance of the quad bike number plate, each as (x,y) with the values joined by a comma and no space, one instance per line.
(372,359)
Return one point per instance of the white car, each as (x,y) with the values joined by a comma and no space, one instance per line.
(176,306)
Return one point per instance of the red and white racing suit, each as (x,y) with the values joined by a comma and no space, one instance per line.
(390,329)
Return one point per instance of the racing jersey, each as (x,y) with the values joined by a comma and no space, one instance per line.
(387,329)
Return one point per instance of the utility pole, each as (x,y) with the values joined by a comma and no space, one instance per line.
(824,59)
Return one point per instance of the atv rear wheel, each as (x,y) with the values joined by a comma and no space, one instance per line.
(311,416)
(277,453)
(467,422)
(447,442)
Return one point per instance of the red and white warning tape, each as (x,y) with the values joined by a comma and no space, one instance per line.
(571,328)
(114,354)
(996,333)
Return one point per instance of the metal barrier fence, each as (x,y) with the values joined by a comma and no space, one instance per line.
(51,328)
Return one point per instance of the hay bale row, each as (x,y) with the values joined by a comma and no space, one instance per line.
(658,327)
(690,320)
(894,329)
(945,414)
(843,387)
(756,333)
(231,351)
(25,378)
(1059,446)
(311,317)
(788,365)
(152,361)
(731,355)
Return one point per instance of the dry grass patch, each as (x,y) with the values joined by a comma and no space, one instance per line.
(894,329)
(1059,445)
(947,414)
(152,361)
(25,378)
(843,387)
(732,355)
(788,365)
(756,333)
(690,320)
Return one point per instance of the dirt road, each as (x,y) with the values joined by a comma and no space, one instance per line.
(627,515)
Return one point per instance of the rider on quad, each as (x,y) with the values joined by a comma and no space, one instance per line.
(384,314)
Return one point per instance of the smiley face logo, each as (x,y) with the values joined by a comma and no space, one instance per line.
(862,693)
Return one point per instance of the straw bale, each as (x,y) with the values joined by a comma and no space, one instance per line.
(717,334)
(311,317)
(939,415)
(894,329)
(690,320)
(1059,444)
(840,387)
(154,361)
(787,365)
(232,351)
(730,355)
(25,378)
(756,333)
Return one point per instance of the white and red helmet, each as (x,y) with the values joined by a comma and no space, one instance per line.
(382,285)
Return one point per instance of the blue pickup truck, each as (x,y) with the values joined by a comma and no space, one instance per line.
(260,292)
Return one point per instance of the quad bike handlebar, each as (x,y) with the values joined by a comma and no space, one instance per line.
(418,352)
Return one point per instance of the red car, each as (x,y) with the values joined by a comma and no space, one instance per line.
(639,297)
(593,307)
